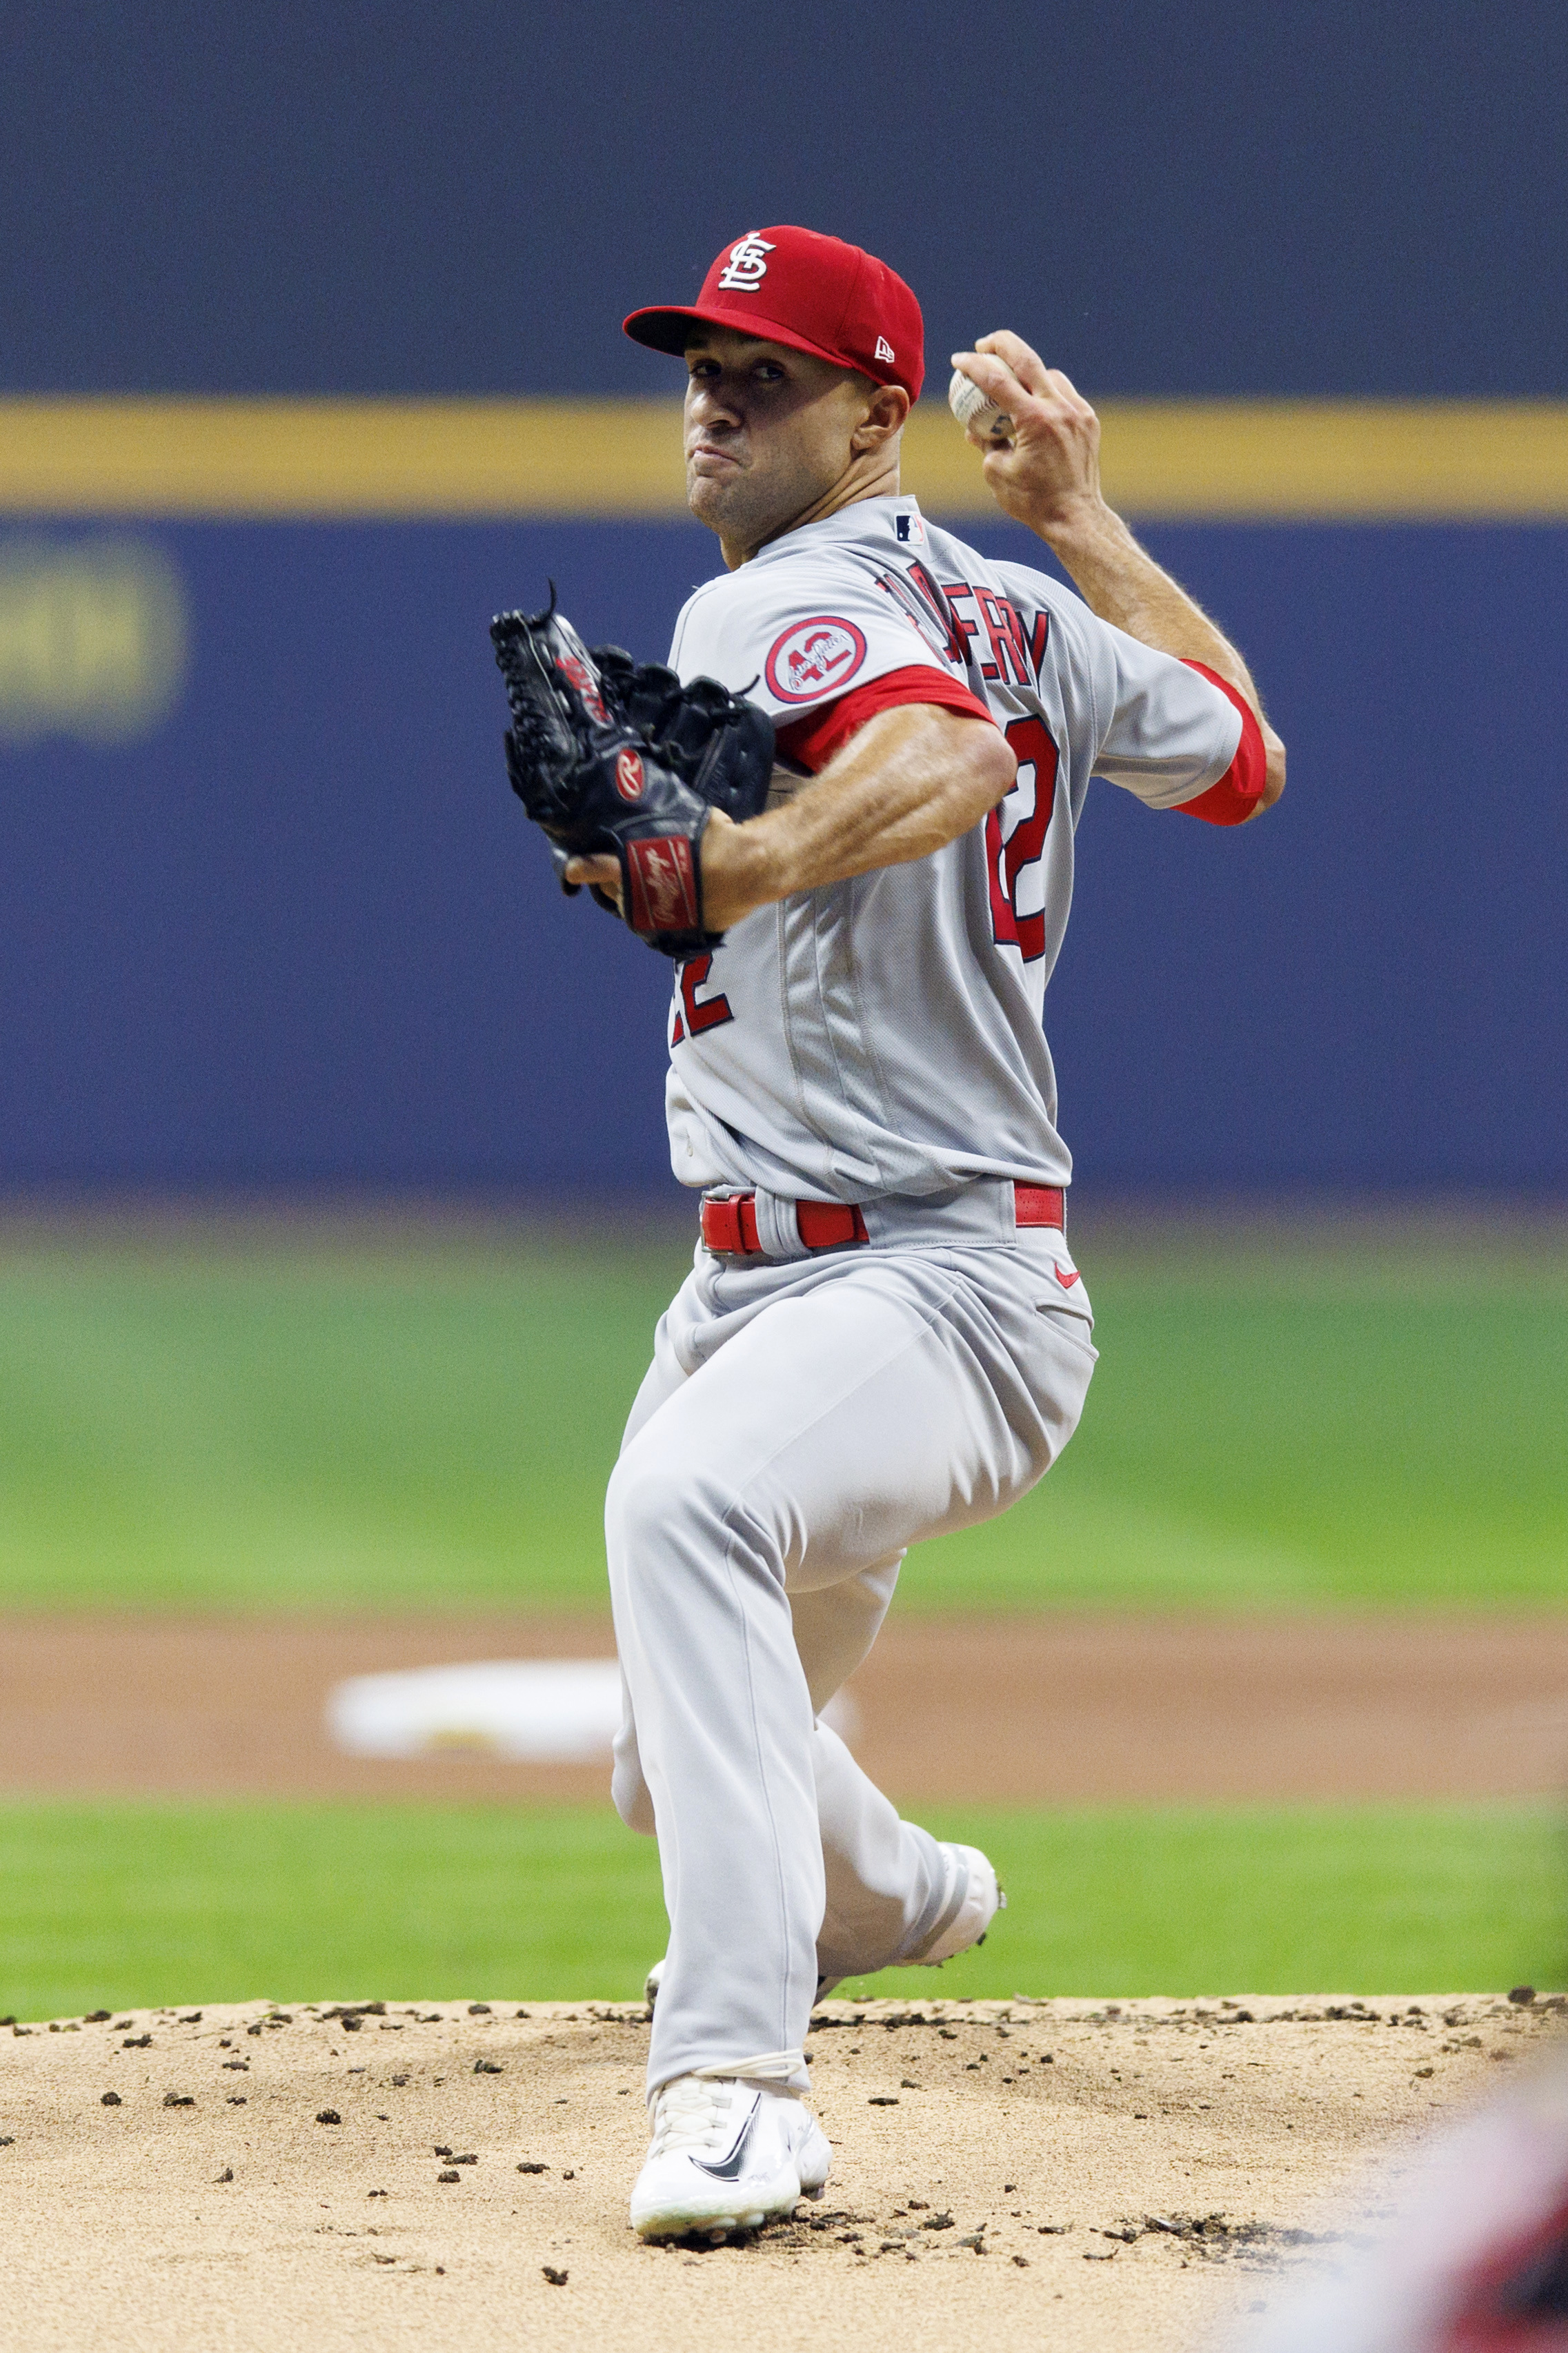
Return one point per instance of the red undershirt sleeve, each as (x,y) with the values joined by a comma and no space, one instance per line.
(810,741)
(1232,800)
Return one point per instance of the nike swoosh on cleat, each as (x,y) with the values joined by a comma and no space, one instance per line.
(729,2168)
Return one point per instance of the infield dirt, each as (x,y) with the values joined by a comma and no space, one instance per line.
(456,2177)
(1055,1709)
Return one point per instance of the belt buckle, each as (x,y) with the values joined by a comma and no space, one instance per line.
(725,1225)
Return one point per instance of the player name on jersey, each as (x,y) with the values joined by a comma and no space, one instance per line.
(884,1035)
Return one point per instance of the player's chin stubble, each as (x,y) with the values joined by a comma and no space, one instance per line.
(727,505)
(746,511)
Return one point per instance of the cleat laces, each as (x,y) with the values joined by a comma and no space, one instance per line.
(692,2115)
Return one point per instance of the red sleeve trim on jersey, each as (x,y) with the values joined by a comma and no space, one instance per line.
(811,742)
(1232,800)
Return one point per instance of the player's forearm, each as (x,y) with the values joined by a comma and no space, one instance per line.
(1047,474)
(912,779)
(1122,582)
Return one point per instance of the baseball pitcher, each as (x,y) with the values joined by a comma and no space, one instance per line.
(847,811)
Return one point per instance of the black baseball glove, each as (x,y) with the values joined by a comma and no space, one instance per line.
(607,754)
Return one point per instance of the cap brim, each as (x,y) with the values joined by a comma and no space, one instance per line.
(671,331)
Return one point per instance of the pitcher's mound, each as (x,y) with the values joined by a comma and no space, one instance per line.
(454,2175)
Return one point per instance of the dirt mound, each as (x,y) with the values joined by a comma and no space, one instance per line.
(435,2175)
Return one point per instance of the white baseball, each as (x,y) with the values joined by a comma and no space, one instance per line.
(974,411)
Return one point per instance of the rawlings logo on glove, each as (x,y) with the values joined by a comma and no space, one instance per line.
(609,755)
(667,894)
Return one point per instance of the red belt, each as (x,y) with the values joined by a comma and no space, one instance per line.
(730,1226)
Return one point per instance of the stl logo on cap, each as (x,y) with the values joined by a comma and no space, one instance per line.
(810,293)
(747,266)
(813,658)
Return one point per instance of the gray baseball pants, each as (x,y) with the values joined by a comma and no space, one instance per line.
(800,1425)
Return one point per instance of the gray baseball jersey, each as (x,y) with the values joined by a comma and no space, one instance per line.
(884,1035)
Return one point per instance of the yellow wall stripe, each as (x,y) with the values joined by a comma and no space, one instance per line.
(299,458)
(1372,460)
(274,459)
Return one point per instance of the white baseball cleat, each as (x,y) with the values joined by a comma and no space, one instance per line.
(973,1899)
(726,2156)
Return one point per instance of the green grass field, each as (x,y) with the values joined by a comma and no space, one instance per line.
(271,1422)
(282,1427)
(134,1905)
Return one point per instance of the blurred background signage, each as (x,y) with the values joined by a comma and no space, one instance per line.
(94,638)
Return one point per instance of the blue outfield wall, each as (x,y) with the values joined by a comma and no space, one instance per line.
(1311,196)
(296,932)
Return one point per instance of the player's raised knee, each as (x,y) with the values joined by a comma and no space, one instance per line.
(659,1496)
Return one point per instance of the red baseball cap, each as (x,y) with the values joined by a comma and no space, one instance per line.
(814,293)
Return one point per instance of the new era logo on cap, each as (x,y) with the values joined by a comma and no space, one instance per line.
(810,293)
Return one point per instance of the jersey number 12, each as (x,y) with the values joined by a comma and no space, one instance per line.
(1016,843)
(693,1014)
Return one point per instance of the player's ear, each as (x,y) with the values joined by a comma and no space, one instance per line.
(887,407)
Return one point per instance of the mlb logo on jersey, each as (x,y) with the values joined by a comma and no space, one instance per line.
(910,531)
(748,266)
(813,659)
